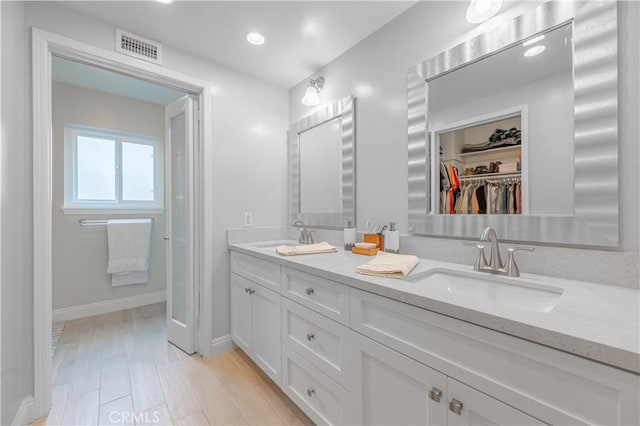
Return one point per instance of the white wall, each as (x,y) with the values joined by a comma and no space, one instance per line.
(375,72)
(80,253)
(17,235)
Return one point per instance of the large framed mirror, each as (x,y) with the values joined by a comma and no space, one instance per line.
(322,166)
(517,129)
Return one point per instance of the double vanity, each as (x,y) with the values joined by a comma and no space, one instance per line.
(445,345)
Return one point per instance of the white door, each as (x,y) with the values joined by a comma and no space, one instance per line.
(241,312)
(267,332)
(468,406)
(389,388)
(179,199)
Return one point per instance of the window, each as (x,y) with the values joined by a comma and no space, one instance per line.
(108,169)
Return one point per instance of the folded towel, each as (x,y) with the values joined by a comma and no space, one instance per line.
(389,265)
(129,244)
(323,247)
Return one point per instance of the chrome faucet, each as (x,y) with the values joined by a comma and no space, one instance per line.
(495,265)
(306,236)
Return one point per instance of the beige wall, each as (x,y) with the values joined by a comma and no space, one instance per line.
(80,253)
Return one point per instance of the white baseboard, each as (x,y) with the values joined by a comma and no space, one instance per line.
(221,345)
(106,306)
(25,412)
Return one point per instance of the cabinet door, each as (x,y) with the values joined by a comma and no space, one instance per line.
(241,312)
(468,406)
(267,331)
(389,388)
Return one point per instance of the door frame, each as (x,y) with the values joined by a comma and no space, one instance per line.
(44,45)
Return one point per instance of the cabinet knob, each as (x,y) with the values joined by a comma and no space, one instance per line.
(435,394)
(251,291)
(311,391)
(310,336)
(309,291)
(246,290)
(166,238)
(455,406)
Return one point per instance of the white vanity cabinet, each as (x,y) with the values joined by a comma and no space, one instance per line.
(256,312)
(346,356)
(390,388)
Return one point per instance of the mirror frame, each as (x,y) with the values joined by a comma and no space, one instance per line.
(345,109)
(595,67)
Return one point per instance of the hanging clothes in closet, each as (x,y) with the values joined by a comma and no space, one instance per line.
(481,196)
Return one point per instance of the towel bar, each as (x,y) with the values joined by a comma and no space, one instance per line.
(93,222)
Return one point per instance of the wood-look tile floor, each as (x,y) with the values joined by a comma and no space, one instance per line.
(118,368)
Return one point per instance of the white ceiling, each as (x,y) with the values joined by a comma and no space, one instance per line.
(77,74)
(302,36)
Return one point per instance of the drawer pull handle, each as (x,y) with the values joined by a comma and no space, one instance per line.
(311,391)
(435,394)
(246,290)
(309,291)
(251,291)
(455,406)
(310,336)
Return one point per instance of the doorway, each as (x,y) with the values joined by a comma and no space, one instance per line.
(45,47)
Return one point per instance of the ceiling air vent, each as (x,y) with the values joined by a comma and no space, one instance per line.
(138,47)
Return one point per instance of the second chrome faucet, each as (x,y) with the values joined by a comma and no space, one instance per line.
(495,264)
(306,236)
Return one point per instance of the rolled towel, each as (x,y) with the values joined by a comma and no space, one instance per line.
(323,247)
(389,265)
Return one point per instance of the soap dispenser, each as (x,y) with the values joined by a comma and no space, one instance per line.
(392,239)
(349,236)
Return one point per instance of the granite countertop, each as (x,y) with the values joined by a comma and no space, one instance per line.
(595,321)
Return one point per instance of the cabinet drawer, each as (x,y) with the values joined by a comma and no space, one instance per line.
(257,270)
(321,295)
(553,386)
(322,341)
(322,399)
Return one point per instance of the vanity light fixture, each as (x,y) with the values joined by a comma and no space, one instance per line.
(312,93)
(256,39)
(482,10)
(533,41)
(535,50)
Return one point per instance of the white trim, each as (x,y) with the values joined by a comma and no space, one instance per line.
(25,413)
(107,306)
(44,44)
(103,211)
(221,345)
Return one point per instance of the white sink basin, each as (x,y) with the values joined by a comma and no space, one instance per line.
(479,286)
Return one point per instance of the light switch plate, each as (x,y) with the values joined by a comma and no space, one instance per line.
(247,219)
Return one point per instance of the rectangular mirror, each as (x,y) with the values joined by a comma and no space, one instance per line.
(517,129)
(320,152)
(490,119)
(321,166)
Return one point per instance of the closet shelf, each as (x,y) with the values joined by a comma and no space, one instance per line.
(502,150)
(491,175)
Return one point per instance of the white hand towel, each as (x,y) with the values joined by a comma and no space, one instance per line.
(129,244)
(323,247)
(389,265)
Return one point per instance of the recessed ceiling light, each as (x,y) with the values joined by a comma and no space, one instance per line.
(481,10)
(533,40)
(165,1)
(535,50)
(255,38)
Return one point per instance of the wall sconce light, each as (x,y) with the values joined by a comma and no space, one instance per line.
(482,10)
(312,93)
